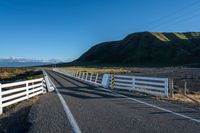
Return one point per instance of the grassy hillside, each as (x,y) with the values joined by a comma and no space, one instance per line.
(146,49)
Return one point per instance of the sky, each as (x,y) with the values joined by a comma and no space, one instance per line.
(64,29)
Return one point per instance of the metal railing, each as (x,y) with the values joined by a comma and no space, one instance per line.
(94,78)
(148,85)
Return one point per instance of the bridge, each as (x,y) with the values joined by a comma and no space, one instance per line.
(80,103)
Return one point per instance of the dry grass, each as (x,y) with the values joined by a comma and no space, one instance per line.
(12,72)
(190,99)
(97,70)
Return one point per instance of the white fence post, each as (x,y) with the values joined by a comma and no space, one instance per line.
(133,83)
(76,74)
(86,76)
(106,80)
(1,109)
(91,77)
(83,75)
(166,87)
(27,91)
(79,74)
(96,77)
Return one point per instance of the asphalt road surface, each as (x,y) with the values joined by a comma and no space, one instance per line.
(81,107)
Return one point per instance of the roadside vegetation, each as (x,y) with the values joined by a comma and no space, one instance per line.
(99,70)
(18,74)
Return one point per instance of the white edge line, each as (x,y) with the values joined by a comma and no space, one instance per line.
(70,117)
(154,106)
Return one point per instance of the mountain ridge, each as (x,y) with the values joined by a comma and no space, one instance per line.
(147,49)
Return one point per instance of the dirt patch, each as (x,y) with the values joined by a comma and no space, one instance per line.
(14,118)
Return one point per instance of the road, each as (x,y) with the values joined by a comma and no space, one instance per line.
(92,109)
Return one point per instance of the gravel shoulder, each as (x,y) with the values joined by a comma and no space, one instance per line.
(15,117)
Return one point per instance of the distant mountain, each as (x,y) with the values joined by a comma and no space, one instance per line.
(146,49)
(18,62)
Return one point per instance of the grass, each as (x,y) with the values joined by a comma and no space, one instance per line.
(160,36)
(180,35)
(6,73)
(19,74)
(98,70)
(183,99)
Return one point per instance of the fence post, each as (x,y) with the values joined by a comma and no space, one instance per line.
(106,80)
(185,88)
(83,74)
(171,87)
(166,87)
(27,91)
(133,83)
(86,76)
(96,77)
(91,77)
(79,74)
(43,85)
(76,74)
(112,81)
(1,109)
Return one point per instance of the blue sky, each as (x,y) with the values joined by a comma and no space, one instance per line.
(63,29)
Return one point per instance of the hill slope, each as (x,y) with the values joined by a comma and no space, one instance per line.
(147,49)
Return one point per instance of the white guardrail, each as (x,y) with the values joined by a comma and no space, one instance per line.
(148,85)
(94,78)
(11,93)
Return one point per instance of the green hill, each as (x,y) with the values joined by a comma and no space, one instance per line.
(146,49)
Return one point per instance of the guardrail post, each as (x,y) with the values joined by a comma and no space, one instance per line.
(79,74)
(166,88)
(1,109)
(96,78)
(112,81)
(83,75)
(43,85)
(133,83)
(171,87)
(91,77)
(27,91)
(106,80)
(86,76)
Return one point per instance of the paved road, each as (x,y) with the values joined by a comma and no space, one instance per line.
(99,111)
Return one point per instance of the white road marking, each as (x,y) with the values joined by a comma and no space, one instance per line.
(154,106)
(70,117)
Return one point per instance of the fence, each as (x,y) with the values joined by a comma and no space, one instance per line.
(148,85)
(12,93)
(94,78)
